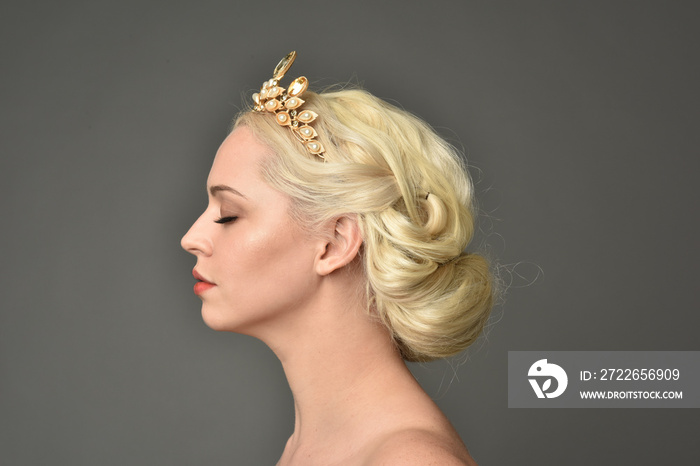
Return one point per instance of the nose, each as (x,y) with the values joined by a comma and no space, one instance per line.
(196,241)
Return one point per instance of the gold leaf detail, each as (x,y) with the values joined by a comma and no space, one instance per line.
(283,118)
(307,132)
(314,147)
(294,102)
(274,92)
(298,86)
(272,105)
(307,116)
(284,65)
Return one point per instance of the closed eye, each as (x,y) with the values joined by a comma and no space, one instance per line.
(223,220)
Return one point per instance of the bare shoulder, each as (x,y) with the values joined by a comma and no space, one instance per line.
(419,447)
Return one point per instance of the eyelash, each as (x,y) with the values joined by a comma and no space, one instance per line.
(223,220)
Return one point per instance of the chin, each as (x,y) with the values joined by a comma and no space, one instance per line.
(215,320)
(226,322)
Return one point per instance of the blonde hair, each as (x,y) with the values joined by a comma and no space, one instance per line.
(413,201)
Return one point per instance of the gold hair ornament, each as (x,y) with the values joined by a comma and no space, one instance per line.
(286,104)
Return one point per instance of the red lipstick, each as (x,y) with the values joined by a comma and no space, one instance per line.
(202,284)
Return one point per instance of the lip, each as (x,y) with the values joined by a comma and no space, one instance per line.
(202,284)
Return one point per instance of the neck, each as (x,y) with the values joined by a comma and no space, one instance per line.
(341,364)
(336,377)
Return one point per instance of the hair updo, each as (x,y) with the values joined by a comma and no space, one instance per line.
(413,200)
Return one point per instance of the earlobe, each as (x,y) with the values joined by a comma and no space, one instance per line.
(342,247)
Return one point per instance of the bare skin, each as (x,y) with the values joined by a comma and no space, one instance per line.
(356,402)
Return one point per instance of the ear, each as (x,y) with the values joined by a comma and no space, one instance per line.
(341,247)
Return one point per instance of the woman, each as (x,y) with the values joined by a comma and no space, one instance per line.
(335,233)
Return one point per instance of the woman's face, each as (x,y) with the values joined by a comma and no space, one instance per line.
(254,262)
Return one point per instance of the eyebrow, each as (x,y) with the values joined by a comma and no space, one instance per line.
(222,187)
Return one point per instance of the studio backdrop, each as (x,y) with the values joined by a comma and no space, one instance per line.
(579,122)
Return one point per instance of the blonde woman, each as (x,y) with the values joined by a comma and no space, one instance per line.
(336,233)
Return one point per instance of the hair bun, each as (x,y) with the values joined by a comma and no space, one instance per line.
(446,313)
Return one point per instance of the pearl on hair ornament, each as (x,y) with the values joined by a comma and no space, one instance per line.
(285,105)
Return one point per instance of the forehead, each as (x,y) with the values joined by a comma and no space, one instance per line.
(238,158)
(237,165)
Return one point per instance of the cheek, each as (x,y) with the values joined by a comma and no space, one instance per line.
(256,252)
(264,277)
(268,261)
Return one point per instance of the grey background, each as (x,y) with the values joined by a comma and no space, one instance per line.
(580,122)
